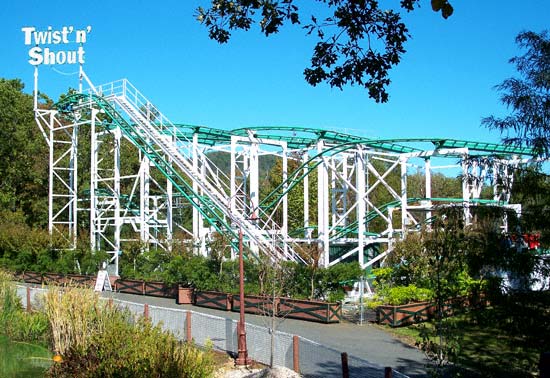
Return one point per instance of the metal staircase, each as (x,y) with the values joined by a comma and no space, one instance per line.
(173,155)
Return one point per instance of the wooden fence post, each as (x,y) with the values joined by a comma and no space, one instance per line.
(388,372)
(188,326)
(29,305)
(146,311)
(296,354)
(345,366)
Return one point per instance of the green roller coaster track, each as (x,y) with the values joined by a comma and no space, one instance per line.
(295,138)
(208,210)
(343,142)
(303,137)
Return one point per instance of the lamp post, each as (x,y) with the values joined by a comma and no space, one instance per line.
(242,357)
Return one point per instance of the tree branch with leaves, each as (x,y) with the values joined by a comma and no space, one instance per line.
(527,96)
(357,44)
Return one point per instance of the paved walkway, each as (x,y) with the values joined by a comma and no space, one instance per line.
(368,341)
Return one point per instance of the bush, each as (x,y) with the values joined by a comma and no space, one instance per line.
(333,277)
(75,316)
(24,248)
(9,301)
(400,295)
(147,351)
(30,327)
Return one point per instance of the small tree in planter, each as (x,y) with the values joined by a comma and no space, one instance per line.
(311,253)
(220,251)
(443,250)
(133,263)
(275,282)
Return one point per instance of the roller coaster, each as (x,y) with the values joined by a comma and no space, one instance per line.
(162,184)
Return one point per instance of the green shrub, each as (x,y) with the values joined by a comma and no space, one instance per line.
(383,276)
(331,279)
(15,323)
(30,327)
(25,248)
(399,295)
(143,350)
(372,303)
(9,302)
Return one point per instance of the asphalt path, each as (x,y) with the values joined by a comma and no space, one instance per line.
(367,341)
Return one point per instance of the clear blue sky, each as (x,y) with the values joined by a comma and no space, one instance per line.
(442,88)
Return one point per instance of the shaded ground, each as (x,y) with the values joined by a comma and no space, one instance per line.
(504,340)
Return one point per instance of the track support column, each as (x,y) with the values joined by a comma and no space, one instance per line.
(361,203)
(428,186)
(323,207)
(404,213)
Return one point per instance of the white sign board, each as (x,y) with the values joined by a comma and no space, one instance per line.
(102,282)
(51,46)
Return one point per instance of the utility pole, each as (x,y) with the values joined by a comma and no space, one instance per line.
(242,357)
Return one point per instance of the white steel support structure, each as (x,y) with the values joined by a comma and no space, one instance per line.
(284,225)
(428,188)
(360,174)
(105,212)
(353,176)
(244,185)
(380,180)
(251,173)
(62,140)
(307,228)
(144,200)
(94,146)
(466,190)
(404,197)
(122,206)
(323,207)
(117,216)
(199,232)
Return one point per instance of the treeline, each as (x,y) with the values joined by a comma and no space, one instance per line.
(23,157)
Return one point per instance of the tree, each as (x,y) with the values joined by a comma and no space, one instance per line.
(311,253)
(528,97)
(22,152)
(271,189)
(358,44)
(532,191)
